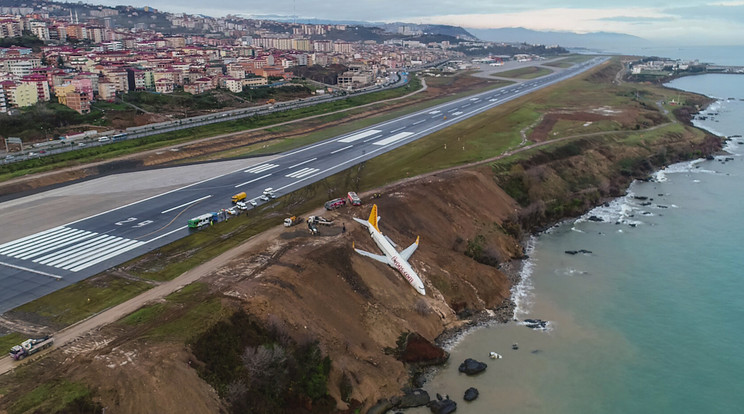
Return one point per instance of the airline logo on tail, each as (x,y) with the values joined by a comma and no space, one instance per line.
(393,258)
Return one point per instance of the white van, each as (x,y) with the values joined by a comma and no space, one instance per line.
(104,139)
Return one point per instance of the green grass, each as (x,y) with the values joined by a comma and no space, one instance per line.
(10,340)
(530,72)
(80,300)
(183,315)
(105,152)
(559,64)
(53,397)
(290,143)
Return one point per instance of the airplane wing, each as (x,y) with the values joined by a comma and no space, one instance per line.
(406,254)
(378,257)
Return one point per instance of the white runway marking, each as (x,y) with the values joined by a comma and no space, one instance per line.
(253,180)
(341,149)
(396,137)
(66,248)
(261,168)
(360,135)
(303,172)
(303,162)
(185,204)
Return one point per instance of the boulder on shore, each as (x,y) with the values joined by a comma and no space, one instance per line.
(413,398)
(470,394)
(383,405)
(472,367)
(444,406)
(418,350)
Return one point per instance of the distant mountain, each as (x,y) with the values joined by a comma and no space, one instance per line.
(425,29)
(597,40)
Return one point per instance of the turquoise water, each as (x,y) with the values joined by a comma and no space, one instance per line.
(651,320)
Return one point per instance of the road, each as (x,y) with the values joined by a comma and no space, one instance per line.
(38,264)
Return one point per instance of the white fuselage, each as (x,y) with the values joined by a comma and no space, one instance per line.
(397,261)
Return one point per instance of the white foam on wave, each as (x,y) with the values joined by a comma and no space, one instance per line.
(687,167)
(618,210)
(522,293)
(576,230)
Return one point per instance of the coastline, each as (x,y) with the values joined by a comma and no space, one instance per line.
(519,271)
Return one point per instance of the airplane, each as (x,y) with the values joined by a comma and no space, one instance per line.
(392,258)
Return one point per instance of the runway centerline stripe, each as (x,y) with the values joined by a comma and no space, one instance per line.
(301,163)
(185,204)
(397,129)
(341,149)
(253,180)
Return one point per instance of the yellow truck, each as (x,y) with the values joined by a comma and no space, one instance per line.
(238,197)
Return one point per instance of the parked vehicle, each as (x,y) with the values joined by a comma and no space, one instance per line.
(335,203)
(291,221)
(241,205)
(30,346)
(199,221)
(238,197)
(354,199)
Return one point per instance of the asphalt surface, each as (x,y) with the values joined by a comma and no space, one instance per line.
(38,264)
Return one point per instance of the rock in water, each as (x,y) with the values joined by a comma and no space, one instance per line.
(470,394)
(383,405)
(442,407)
(472,367)
(414,398)
(535,323)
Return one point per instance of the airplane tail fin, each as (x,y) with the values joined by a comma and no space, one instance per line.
(373,217)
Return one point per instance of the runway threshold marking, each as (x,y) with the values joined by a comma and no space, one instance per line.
(253,180)
(301,173)
(185,204)
(261,168)
(359,136)
(394,138)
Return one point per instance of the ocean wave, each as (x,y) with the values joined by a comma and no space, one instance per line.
(522,293)
(688,167)
(620,210)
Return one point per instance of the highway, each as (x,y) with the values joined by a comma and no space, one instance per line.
(35,265)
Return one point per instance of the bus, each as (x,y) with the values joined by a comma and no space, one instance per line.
(119,137)
(199,221)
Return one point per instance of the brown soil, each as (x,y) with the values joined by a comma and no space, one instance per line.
(357,306)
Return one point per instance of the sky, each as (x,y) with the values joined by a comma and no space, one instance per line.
(688,22)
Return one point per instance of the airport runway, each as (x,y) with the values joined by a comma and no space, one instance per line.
(35,265)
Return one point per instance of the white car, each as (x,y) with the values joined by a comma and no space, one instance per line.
(232,210)
(253,203)
(264,197)
(241,205)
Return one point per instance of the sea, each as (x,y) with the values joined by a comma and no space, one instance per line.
(650,319)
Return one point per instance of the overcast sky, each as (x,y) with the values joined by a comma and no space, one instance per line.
(680,22)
